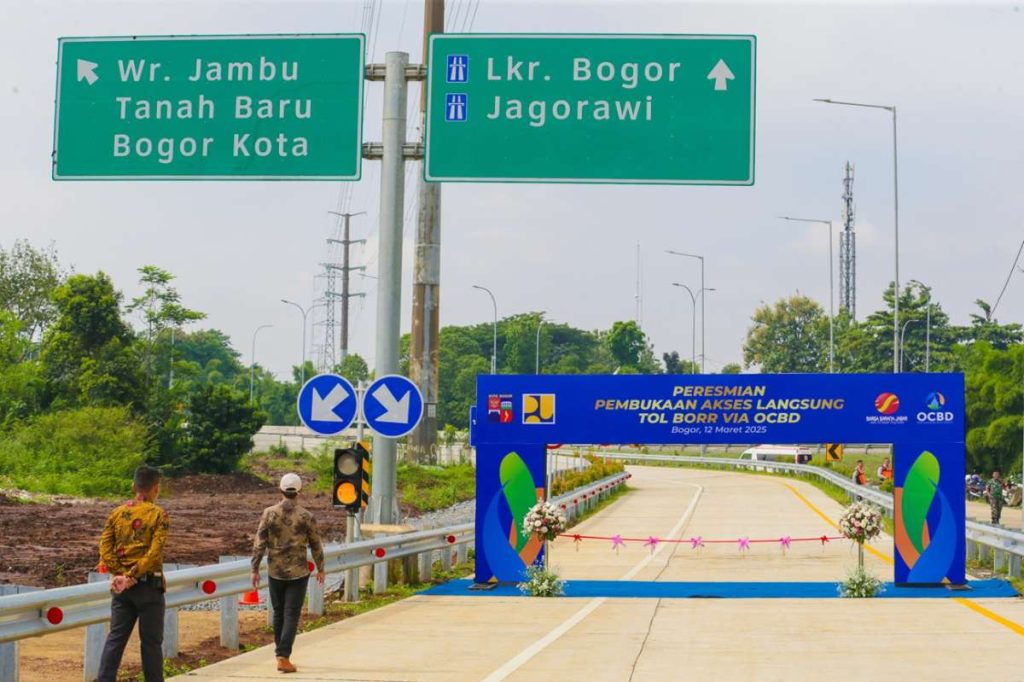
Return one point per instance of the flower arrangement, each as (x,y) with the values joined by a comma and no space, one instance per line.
(861,522)
(860,584)
(544,520)
(541,582)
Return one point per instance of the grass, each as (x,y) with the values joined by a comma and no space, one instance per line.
(423,488)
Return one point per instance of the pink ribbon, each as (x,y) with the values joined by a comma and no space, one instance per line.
(652,542)
(617,542)
(744,543)
(696,543)
(784,541)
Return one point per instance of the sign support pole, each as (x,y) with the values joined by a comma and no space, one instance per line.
(384,505)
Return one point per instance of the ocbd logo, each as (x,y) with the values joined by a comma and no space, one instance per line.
(935,401)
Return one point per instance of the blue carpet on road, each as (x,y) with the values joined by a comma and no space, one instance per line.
(726,590)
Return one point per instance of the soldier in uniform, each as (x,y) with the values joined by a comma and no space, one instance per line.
(132,549)
(285,530)
(994,492)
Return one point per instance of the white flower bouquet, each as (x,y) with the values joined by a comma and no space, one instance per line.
(540,582)
(544,520)
(861,522)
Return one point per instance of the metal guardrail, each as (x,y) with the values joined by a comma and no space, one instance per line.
(63,608)
(982,538)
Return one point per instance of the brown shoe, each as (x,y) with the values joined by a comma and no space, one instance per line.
(284,665)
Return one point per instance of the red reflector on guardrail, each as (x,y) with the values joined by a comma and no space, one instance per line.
(54,615)
(380,552)
(208,587)
(451,539)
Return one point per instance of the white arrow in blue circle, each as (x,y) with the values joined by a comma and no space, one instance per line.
(327,404)
(392,406)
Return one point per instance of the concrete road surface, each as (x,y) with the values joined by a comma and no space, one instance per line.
(498,638)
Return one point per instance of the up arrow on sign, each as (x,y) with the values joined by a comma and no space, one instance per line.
(721,75)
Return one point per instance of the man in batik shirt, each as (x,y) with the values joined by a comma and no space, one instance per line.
(132,550)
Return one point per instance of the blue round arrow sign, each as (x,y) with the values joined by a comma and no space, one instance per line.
(327,404)
(392,406)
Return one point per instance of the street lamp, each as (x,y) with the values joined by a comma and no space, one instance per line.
(494,350)
(693,318)
(902,332)
(540,323)
(305,312)
(701,259)
(831,289)
(896,224)
(252,363)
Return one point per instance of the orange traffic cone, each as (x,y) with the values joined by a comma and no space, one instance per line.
(250,598)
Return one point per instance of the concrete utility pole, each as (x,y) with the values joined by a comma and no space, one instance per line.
(426,279)
(346,271)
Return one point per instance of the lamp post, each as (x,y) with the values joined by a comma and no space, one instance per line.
(693,318)
(831,288)
(252,361)
(701,259)
(540,323)
(304,312)
(902,332)
(896,351)
(494,349)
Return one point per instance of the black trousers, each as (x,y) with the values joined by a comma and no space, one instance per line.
(143,603)
(286,596)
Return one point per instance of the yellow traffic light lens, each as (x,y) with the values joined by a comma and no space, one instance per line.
(348,464)
(346,493)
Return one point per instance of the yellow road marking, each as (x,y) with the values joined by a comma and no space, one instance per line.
(977,608)
(830,522)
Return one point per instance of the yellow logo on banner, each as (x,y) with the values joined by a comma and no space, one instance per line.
(539,408)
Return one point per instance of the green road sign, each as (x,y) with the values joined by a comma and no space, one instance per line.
(261,107)
(591,108)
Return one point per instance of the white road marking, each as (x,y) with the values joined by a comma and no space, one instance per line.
(520,659)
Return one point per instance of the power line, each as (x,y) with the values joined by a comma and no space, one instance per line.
(1008,276)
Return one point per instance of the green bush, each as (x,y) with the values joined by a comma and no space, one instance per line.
(90,451)
(599,468)
(219,431)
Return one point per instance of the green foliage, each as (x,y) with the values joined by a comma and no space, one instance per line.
(630,350)
(353,368)
(19,377)
(860,584)
(599,468)
(427,488)
(675,365)
(542,582)
(790,336)
(995,401)
(27,278)
(218,432)
(88,354)
(89,451)
(984,328)
(731,368)
(206,357)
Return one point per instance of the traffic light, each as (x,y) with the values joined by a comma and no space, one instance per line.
(351,477)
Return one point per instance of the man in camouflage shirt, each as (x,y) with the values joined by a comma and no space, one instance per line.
(994,492)
(285,530)
(132,550)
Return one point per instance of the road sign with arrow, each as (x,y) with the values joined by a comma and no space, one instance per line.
(833,452)
(327,404)
(392,406)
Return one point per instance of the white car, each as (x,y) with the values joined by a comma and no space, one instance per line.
(778,453)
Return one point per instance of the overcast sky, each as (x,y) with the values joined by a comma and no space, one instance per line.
(955,72)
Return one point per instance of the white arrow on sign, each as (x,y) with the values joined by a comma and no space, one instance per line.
(323,406)
(721,75)
(87,71)
(395,411)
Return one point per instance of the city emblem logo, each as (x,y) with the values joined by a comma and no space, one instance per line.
(499,408)
(539,408)
(887,403)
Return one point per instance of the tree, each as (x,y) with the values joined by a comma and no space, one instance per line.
(674,365)
(207,356)
(731,368)
(88,354)
(984,328)
(219,431)
(160,305)
(353,367)
(19,377)
(630,350)
(994,404)
(27,278)
(790,336)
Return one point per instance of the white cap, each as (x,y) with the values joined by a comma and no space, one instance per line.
(291,483)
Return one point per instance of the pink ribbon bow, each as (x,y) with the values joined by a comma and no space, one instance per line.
(577,540)
(652,542)
(744,544)
(696,543)
(784,541)
(617,542)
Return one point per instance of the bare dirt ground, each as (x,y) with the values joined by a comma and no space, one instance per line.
(49,545)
